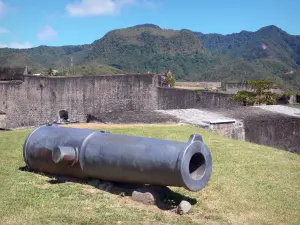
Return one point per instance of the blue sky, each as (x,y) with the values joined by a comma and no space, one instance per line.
(27,23)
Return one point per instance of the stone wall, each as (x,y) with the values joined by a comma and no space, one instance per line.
(39,99)
(268,128)
(169,98)
(215,100)
(174,98)
(2,121)
(280,132)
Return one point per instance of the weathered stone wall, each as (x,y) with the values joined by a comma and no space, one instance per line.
(268,128)
(2,121)
(279,132)
(39,99)
(230,130)
(215,100)
(171,98)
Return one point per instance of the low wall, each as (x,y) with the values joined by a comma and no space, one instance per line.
(277,131)
(2,121)
(215,100)
(173,98)
(267,128)
(169,98)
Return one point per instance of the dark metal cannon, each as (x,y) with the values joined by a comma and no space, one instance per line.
(84,153)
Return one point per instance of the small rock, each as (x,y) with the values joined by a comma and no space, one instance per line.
(105,186)
(146,196)
(122,194)
(184,207)
(94,183)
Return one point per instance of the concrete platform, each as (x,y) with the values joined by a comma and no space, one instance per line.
(277,125)
(198,117)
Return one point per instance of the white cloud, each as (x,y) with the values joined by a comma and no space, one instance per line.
(47,33)
(3,7)
(3,30)
(16,45)
(20,45)
(3,45)
(102,7)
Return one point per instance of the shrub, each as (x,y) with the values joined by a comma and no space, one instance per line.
(170,79)
(261,93)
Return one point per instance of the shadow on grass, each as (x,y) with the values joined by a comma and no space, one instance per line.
(165,198)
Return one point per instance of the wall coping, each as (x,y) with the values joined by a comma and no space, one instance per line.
(91,76)
(11,82)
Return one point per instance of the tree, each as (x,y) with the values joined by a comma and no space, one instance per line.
(261,93)
(170,80)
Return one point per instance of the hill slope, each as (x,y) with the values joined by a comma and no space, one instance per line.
(267,53)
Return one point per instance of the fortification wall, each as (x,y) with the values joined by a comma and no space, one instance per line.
(39,99)
(268,128)
(212,100)
(276,131)
(2,121)
(169,98)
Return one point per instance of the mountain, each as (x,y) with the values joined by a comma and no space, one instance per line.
(268,53)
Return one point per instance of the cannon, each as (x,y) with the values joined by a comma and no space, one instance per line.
(86,153)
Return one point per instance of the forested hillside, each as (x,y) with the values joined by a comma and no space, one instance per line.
(269,53)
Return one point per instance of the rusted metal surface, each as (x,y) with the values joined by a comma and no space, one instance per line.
(85,153)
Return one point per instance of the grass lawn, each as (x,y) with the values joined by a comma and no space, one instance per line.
(250,184)
(190,88)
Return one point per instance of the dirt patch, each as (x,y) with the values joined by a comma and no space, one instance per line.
(129,117)
(111,125)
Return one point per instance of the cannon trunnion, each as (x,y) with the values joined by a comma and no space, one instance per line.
(84,153)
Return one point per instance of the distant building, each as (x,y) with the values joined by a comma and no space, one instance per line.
(13,73)
(235,86)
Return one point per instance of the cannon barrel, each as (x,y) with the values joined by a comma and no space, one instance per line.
(85,153)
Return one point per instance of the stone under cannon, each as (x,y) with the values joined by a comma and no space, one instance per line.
(85,153)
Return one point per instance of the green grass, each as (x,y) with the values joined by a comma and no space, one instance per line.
(250,184)
(190,88)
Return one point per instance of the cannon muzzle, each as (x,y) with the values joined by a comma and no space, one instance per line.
(84,153)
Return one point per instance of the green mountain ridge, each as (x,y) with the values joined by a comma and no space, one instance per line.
(268,53)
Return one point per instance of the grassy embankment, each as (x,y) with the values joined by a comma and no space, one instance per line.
(250,184)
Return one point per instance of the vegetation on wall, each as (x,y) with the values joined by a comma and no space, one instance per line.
(170,80)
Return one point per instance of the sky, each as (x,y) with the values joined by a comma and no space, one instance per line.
(31,23)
